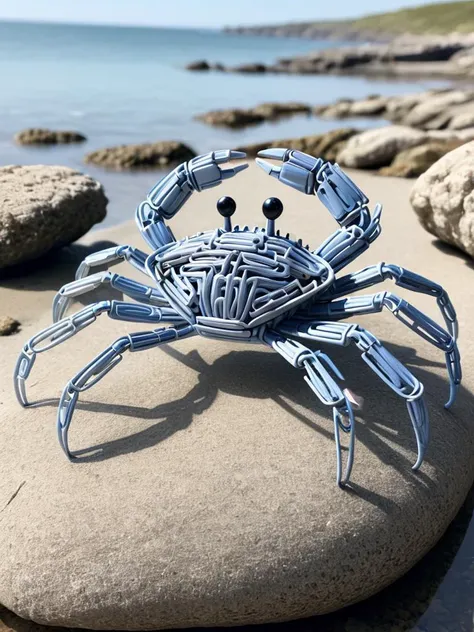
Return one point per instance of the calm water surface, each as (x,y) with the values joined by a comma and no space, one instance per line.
(128,85)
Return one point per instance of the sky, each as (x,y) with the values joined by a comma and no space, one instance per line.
(192,13)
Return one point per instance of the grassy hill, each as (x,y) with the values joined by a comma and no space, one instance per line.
(429,19)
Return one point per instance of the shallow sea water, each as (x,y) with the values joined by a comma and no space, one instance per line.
(128,85)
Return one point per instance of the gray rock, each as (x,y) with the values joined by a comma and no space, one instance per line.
(411,163)
(369,107)
(234,118)
(199,65)
(43,208)
(141,156)
(430,108)
(40,136)
(378,147)
(326,145)
(443,198)
(211,501)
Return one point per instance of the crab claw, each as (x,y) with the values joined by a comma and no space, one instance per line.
(298,169)
(204,171)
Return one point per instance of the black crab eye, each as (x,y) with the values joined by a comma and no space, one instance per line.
(272,208)
(226,206)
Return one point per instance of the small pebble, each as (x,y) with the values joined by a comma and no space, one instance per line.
(8,326)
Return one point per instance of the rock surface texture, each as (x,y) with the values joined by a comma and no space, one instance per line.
(39,136)
(378,147)
(237,118)
(45,207)
(443,198)
(411,163)
(325,145)
(142,156)
(204,492)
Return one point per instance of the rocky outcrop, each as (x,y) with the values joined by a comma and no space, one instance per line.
(377,148)
(43,208)
(411,163)
(326,145)
(442,56)
(433,109)
(443,198)
(236,118)
(142,156)
(40,136)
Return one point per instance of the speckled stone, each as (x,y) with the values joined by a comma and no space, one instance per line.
(204,493)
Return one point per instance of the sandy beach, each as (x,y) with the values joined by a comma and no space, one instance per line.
(211,401)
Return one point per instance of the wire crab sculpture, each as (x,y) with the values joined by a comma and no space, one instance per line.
(255,285)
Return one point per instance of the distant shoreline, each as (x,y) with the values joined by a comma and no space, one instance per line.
(439,19)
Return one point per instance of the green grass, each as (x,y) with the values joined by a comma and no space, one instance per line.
(431,18)
(446,17)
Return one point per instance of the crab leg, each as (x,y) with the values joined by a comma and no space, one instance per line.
(379,359)
(112,256)
(342,197)
(418,322)
(168,196)
(320,371)
(102,364)
(371,275)
(58,332)
(128,287)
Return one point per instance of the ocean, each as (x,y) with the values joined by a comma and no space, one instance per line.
(128,85)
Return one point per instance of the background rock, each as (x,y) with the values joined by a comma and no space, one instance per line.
(325,145)
(146,155)
(39,136)
(8,326)
(411,163)
(378,147)
(236,118)
(45,207)
(443,198)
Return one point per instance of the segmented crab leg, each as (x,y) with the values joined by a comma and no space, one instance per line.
(168,196)
(128,287)
(58,332)
(342,197)
(371,275)
(418,322)
(379,359)
(320,377)
(101,365)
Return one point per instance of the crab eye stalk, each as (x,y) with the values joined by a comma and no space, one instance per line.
(226,207)
(272,209)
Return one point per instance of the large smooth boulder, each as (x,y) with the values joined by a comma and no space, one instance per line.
(443,198)
(204,492)
(141,156)
(378,147)
(44,207)
(41,136)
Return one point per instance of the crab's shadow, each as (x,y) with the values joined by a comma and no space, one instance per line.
(383,422)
